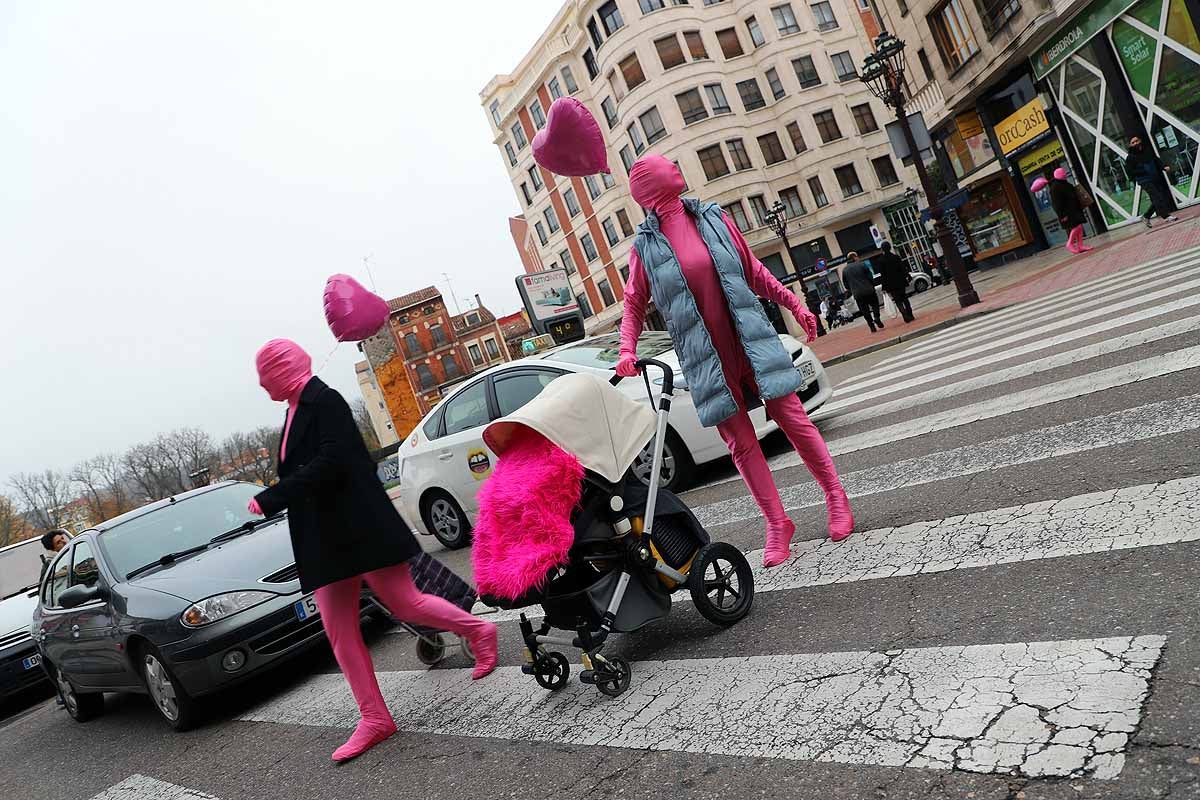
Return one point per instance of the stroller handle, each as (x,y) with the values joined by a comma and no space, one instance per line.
(668,384)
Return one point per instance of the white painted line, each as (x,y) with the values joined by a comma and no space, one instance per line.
(831,420)
(973,708)
(141,787)
(1130,425)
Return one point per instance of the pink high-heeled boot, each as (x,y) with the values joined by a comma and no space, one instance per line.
(366,735)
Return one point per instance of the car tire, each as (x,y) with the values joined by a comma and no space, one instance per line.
(920,286)
(81,707)
(446,520)
(677,463)
(167,694)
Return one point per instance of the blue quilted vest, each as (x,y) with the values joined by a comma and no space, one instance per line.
(774,372)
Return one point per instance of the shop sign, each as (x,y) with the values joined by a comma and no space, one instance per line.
(1034,162)
(1076,33)
(1021,127)
(969,124)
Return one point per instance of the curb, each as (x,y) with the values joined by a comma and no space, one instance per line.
(907,337)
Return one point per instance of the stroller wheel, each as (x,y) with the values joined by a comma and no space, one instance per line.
(721,583)
(615,676)
(552,671)
(465,647)
(431,649)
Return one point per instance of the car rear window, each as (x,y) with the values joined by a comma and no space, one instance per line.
(602,352)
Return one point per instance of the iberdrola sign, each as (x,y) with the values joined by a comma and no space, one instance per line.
(1076,33)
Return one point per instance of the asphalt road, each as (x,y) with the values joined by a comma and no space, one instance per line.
(1016,615)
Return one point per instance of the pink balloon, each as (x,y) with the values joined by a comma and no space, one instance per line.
(1038,184)
(352,312)
(571,144)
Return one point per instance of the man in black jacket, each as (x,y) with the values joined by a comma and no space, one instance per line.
(1145,167)
(858,280)
(894,273)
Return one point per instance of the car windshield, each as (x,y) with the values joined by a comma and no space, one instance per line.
(602,352)
(190,522)
(21,567)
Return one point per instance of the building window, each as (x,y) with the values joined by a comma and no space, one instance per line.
(712,160)
(806,72)
(652,125)
(695,43)
(759,204)
(624,274)
(818,192)
(610,111)
(555,88)
(847,178)
(535,177)
(771,148)
(450,367)
(585,308)
(493,350)
(731,45)
(609,180)
(885,171)
(717,99)
(535,111)
(593,30)
(610,17)
(785,19)
(495,109)
(712,2)
(425,376)
(518,133)
(541,232)
(669,51)
(439,335)
(650,5)
(606,292)
(614,82)
(791,199)
(756,35)
(623,221)
(569,80)
(567,262)
(843,66)
(589,61)
(551,220)
(823,15)
(691,106)
(776,85)
(738,154)
(864,118)
(635,136)
(903,7)
(572,202)
(627,158)
(511,153)
(737,213)
(476,354)
(926,67)
(952,34)
(589,247)
(525,193)
(827,126)
(610,231)
(593,186)
(751,95)
(631,70)
(793,131)
(412,345)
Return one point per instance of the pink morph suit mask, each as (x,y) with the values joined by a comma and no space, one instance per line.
(656,184)
(283,369)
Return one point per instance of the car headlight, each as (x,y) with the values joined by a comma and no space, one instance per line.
(220,606)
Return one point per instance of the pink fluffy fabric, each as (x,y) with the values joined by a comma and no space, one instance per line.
(523,529)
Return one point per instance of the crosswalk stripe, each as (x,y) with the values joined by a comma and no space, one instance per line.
(1021,336)
(141,787)
(1057,708)
(1137,424)
(831,420)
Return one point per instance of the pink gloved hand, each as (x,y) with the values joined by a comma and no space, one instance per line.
(254,508)
(627,366)
(807,320)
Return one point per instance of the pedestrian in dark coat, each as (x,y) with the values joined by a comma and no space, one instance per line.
(893,270)
(814,305)
(858,280)
(1064,197)
(1147,169)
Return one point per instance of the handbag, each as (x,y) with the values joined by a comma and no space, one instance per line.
(1085,198)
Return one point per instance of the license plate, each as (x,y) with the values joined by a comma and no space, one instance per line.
(306,607)
(807,371)
(33,661)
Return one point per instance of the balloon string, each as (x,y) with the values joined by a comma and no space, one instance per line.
(326,361)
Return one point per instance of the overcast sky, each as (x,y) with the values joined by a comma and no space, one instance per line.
(179,179)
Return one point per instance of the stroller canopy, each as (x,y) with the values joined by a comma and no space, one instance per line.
(586,416)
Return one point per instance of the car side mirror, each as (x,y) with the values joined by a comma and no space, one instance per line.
(79,594)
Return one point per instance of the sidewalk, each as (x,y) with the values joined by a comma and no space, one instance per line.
(1028,279)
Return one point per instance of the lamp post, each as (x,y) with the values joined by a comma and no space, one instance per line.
(777,220)
(883,73)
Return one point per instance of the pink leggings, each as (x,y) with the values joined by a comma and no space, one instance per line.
(339,605)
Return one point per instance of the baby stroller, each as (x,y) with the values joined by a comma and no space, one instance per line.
(432,577)
(633,546)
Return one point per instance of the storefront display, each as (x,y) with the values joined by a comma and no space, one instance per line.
(993,218)
(1044,158)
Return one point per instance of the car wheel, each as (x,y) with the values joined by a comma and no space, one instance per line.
(166,693)
(920,286)
(81,707)
(677,467)
(444,518)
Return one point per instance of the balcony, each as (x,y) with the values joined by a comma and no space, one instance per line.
(996,14)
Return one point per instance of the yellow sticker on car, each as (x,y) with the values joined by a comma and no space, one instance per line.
(480,464)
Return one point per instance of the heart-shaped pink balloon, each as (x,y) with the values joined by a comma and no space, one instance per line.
(571,144)
(353,313)
(1038,184)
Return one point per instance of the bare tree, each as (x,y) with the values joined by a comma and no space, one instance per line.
(265,442)
(115,481)
(45,496)
(366,428)
(88,479)
(152,471)
(13,525)
(193,450)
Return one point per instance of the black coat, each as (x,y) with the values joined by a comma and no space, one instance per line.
(1066,204)
(893,272)
(342,521)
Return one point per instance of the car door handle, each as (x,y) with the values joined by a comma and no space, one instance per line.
(75,631)
(445,456)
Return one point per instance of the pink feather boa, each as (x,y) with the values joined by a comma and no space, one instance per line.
(523,529)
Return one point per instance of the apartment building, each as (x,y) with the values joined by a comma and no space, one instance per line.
(757,102)
(480,333)
(377,410)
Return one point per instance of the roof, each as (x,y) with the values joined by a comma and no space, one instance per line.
(413,298)
(459,321)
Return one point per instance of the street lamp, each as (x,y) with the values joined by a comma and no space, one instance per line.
(883,73)
(777,220)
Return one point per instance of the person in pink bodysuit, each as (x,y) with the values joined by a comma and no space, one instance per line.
(345,531)
(656,185)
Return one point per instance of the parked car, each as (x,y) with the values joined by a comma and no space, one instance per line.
(444,460)
(178,599)
(20,662)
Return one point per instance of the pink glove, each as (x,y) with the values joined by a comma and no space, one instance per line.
(808,321)
(627,366)
(254,508)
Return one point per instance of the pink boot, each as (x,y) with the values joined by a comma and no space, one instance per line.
(841,521)
(789,413)
(779,541)
(366,735)
(485,647)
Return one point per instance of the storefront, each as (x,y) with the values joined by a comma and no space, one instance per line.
(1119,69)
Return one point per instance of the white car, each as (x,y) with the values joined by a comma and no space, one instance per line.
(444,459)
